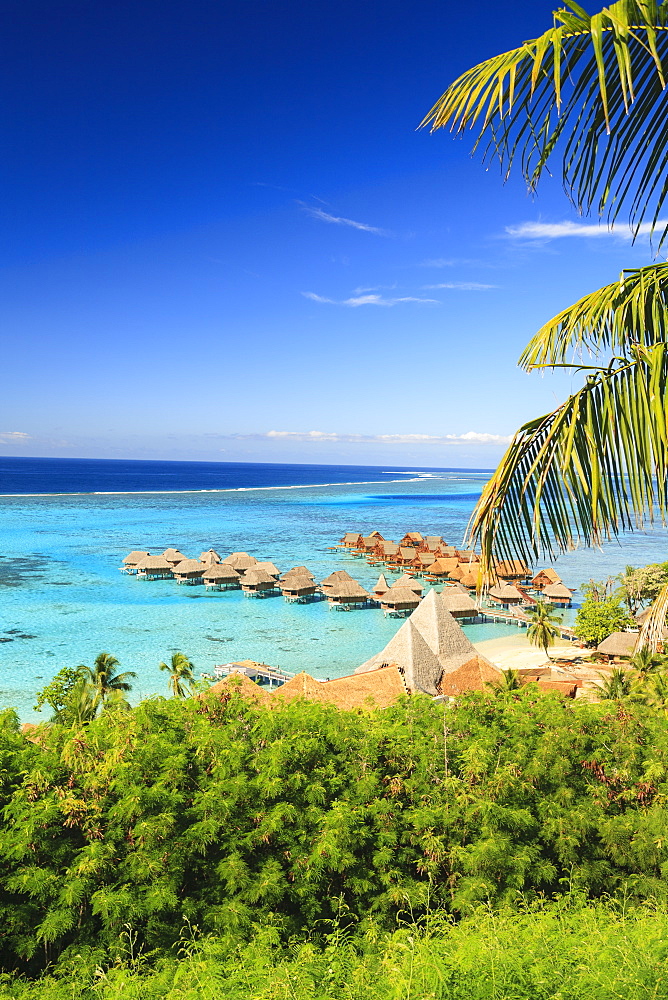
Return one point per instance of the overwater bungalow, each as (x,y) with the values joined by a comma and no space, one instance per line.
(409,581)
(545,578)
(221,576)
(405,555)
(132,560)
(431,543)
(470,579)
(368,544)
(351,540)
(189,571)
(298,571)
(154,568)
(297,588)
(381,587)
(507,595)
(258,583)
(377,535)
(241,561)
(345,595)
(460,605)
(398,602)
(446,552)
(467,555)
(269,568)
(441,569)
(386,550)
(413,538)
(208,557)
(422,561)
(335,578)
(173,556)
(558,594)
(513,569)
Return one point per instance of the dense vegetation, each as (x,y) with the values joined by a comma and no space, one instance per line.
(237,818)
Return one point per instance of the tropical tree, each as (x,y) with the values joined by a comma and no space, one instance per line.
(646,662)
(586,100)
(104,678)
(543,629)
(509,681)
(619,683)
(181,677)
(596,620)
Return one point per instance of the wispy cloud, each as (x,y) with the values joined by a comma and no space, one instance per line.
(470,437)
(558,230)
(371,299)
(448,262)
(462,286)
(14,437)
(339,220)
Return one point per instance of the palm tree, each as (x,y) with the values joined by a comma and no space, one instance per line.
(656,692)
(181,678)
(646,662)
(84,701)
(619,683)
(589,91)
(104,678)
(509,681)
(543,629)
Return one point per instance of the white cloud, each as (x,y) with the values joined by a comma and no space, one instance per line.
(371,299)
(557,230)
(462,286)
(470,437)
(14,437)
(448,262)
(338,220)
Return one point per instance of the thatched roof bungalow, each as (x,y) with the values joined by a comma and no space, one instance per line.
(470,578)
(405,555)
(220,576)
(458,604)
(132,560)
(296,588)
(188,571)
(154,568)
(258,583)
(411,583)
(381,587)
(558,594)
(399,601)
(619,645)
(351,540)
(241,561)
(386,550)
(506,594)
(412,538)
(467,556)
(208,557)
(512,569)
(269,568)
(422,561)
(441,568)
(338,576)
(346,594)
(474,675)
(431,543)
(544,578)
(173,556)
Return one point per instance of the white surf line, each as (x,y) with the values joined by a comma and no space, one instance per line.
(233,489)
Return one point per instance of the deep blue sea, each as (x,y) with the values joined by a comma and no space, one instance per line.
(65,525)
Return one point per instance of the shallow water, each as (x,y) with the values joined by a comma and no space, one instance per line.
(63,599)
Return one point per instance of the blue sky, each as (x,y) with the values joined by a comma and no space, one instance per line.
(223,237)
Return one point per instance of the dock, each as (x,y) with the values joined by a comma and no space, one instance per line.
(261,673)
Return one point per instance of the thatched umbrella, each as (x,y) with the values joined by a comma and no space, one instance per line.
(189,571)
(154,568)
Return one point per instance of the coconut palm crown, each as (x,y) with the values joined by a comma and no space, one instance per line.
(588,99)
(181,677)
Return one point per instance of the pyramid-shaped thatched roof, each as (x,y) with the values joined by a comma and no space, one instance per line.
(381,586)
(471,676)
(237,683)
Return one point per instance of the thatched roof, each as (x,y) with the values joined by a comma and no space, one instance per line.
(511,568)
(298,571)
(549,574)
(296,583)
(174,556)
(302,685)
(408,581)
(448,552)
(155,562)
(237,683)
(433,542)
(407,551)
(256,577)
(506,592)
(370,542)
(425,558)
(268,567)
(334,578)
(400,595)
(188,566)
(467,555)
(376,689)
(346,588)
(457,602)
(351,538)
(412,536)
(210,556)
(442,632)
(381,586)
(240,560)
(442,566)
(473,675)
(558,590)
(134,557)
(377,535)
(220,571)
(619,644)
(389,548)
(469,580)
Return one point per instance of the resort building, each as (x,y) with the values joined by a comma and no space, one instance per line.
(512,569)
(405,555)
(470,579)
(544,578)
(381,587)
(269,568)
(507,595)
(258,583)
(241,561)
(208,557)
(346,594)
(338,576)
(132,560)
(399,601)
(298,588)
(459,604)
(409,581)
(413,538)
(188,571)
(377,689)
(558,594)
(619,645)
(474,675)
(173,556)
(154,568)
(441,568)
(351,540)
(220,576)
(432,543)
(386,551)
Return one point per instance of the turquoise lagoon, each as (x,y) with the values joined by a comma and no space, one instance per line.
(63,599)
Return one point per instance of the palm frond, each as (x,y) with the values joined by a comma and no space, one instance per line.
(617,317)
(590,90)
(652,633)
(595,466)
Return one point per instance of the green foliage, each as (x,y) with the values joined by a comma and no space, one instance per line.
(59,694)
(639,587)
(234,817)
(596,620)
(598,590)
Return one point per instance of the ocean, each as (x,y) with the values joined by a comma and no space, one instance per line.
(65,525)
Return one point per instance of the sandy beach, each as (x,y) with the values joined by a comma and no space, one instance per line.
(515,652)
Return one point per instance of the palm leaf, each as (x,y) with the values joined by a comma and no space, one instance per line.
(590,91)
(595,466)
